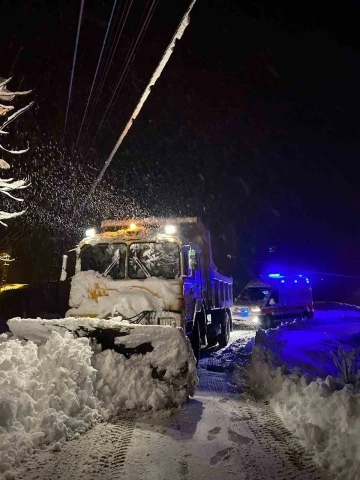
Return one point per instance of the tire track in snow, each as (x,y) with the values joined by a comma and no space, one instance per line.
(99,454)
(219,434)
(280,448)
(294,461)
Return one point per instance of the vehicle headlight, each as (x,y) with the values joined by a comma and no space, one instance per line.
(90,232)
(256,319)
(170,229)
(255,309)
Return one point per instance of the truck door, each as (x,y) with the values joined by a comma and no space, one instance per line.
(193,290)
(273,305)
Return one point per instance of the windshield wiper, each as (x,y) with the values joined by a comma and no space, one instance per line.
(142,266)
(112,264)
(110,267)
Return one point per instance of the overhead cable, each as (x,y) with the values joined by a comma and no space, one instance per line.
(96,71)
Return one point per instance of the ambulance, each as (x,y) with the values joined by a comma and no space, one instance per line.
(272,299)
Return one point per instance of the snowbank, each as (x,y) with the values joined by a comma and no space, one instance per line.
(323,414)
(327,311)
(59,377)
(46,395)
(137,366)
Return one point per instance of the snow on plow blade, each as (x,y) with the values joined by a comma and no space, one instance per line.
(138,366)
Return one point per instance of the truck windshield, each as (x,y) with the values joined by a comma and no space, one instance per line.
(107,259)
(160,259)
(254,294)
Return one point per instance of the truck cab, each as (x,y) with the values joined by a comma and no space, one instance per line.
(270,300)
(154,271)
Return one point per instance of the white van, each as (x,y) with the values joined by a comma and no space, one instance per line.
(273,299)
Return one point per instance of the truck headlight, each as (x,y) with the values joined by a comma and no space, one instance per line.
(256,320)
(170,229)
(255,309)
(90,232)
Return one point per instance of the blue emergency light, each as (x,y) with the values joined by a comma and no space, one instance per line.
(279,276)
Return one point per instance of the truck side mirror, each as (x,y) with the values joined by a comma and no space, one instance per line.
(186,266)
(63,275)
(68,265)
(194,262)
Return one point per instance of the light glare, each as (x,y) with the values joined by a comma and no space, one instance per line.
(90,232)
(170,229)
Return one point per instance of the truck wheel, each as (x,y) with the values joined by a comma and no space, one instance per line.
(224,336)
(231,321)
(211,341)
(195,341)
(267,322)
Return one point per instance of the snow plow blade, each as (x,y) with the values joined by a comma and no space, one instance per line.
(161,356)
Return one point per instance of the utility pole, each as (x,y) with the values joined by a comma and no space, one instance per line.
(5,258)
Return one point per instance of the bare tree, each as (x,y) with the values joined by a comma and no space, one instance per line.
(8,185)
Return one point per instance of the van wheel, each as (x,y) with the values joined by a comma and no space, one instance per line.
(268,322)
(308,314)
(195,341)
(224,336)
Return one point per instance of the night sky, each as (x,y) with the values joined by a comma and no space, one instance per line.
(253,126)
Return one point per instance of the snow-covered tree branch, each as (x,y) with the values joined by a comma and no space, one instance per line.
(9,186)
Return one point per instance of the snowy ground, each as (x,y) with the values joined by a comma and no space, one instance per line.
(56,381)
(227,431)
(293,368)
(219,434)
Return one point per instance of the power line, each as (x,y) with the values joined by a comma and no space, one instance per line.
(73,65)
(110,59)
(96,71)
(128,61)
(157,73)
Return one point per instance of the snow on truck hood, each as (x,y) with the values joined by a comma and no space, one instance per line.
(93,295)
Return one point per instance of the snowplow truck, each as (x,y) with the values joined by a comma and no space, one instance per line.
(153,271)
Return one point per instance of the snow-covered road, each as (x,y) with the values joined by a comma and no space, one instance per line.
(218,435)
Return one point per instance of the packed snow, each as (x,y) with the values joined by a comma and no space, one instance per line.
(57,393)
(322,410)
(217,435)
(56,382)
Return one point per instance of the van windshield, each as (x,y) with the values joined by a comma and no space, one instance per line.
(254,294)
